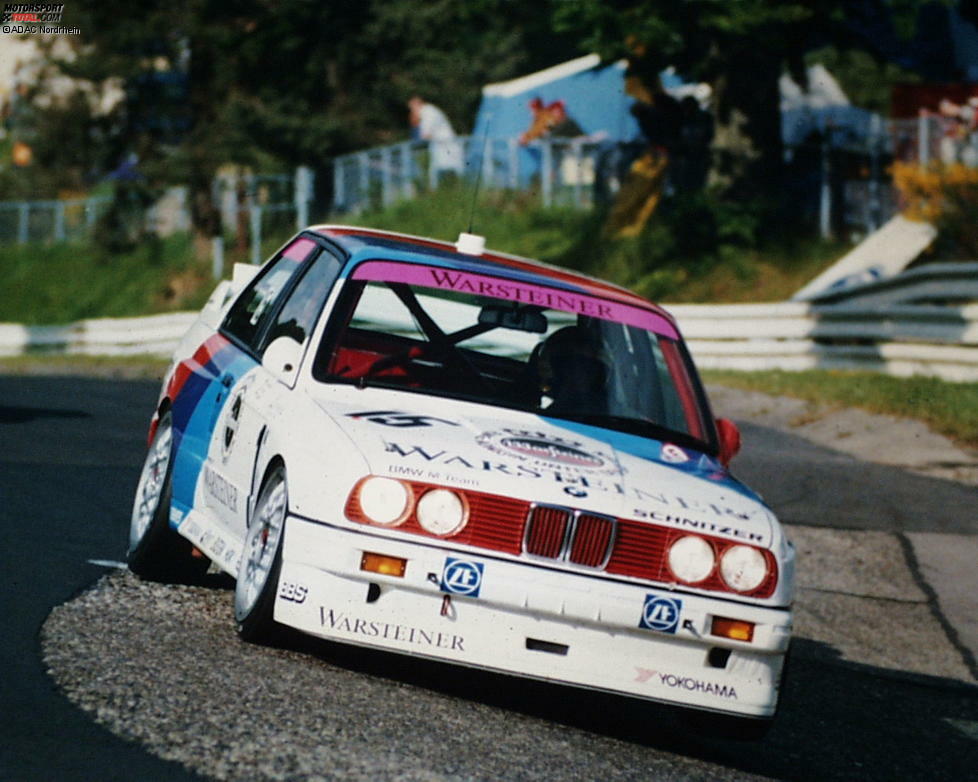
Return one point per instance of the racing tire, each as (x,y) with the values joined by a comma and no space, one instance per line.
(261,563)
(156,551)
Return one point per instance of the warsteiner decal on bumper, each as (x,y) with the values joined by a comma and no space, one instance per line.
(340,622)
(608,632)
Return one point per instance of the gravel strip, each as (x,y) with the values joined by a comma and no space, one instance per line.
(162,665)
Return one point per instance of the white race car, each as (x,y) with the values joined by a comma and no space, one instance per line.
(448,452)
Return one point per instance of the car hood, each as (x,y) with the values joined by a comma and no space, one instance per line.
(546,460)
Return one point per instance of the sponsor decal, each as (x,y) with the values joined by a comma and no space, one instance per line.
(516,290)
(341,622)
(576,484)
(710,527)
(661,613)
(687,683)
(398,419)
(221,489)
(673,454)
(294,593)
(231,423)
(544,450)
(461,577)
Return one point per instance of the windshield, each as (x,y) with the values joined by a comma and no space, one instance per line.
(510,343)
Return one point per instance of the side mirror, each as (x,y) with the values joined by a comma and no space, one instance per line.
(282,358)
(729,436)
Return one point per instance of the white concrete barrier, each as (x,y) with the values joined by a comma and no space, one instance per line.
(891,336)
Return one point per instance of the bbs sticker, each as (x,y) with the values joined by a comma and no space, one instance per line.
(294,593)
(461,577)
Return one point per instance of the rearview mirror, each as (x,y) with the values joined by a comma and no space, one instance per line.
(282,357)
(513,317)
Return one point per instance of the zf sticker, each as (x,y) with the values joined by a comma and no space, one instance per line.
(661,613)
(461,577)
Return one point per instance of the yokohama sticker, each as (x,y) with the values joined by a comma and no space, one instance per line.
(687,683)
(541,449)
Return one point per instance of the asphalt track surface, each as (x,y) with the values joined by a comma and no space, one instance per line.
(70,450)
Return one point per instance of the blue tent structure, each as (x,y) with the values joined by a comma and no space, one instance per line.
(594,95)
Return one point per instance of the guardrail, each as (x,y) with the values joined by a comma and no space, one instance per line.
(151,335)
(900,340)
(892,335)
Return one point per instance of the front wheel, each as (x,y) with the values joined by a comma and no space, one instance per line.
(261,561)
(156,552)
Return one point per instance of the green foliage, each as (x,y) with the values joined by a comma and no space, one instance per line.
(61,283)
(696,248)
(739,48)
(949,408)
(867,82)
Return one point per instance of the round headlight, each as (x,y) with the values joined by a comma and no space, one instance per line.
(442,512)
(743,568)
(691,559)
(385,501)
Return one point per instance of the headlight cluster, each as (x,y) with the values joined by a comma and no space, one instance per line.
(390,503)
(692,560)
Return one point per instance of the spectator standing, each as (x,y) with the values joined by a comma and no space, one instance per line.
(430,124)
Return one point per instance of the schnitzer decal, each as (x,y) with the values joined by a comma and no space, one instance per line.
(545,450)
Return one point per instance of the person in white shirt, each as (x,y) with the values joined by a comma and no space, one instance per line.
(434,127)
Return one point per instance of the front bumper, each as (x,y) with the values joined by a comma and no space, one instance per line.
(534,621)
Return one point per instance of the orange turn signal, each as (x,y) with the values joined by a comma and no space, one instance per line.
(381,563)
(734,629)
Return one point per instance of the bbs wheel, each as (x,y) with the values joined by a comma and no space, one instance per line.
(156,552)
(261,561)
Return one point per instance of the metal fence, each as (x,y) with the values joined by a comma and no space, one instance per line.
(33,221)
(566,172)
(251,205)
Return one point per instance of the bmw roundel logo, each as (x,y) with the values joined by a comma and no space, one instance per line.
(461,577)
(661,613)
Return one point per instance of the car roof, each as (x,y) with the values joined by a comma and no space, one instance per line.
(363,244)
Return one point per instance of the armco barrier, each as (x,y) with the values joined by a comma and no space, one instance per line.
(894,338)
(151,335)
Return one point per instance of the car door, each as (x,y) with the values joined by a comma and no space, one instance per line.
(262,394)
(214,374)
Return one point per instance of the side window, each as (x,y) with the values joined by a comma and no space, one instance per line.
(297,318)
(251,311)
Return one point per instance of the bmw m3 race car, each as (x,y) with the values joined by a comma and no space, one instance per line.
(438,450)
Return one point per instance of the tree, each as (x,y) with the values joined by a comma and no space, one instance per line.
(740,48)
(275,83)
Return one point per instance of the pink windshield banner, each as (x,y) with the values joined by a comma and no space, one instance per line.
(299,249)
(514,290)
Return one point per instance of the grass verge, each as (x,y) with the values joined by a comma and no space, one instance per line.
(948,408)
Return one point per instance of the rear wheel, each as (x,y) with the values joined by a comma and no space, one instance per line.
(261,562)
(156,552)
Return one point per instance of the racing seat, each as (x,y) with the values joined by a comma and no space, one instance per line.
(571,371)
